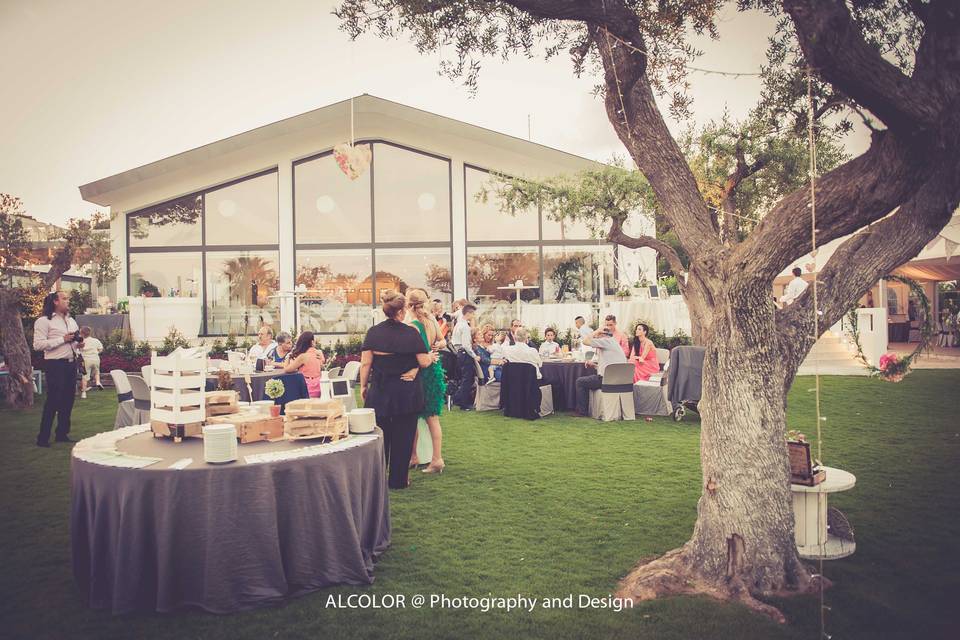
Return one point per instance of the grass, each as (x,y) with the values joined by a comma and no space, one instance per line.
(556,507)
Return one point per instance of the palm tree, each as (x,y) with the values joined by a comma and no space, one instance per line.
(250,276)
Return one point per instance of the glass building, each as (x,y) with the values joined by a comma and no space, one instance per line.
(265,227)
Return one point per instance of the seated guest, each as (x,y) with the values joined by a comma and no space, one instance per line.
(520,351)
(515,325)
(643,354)
(308,360)
(610,322)
(462,342)
(549,347)
(483,345)
(608,351)
(284,346)
(265,346)
(583,329)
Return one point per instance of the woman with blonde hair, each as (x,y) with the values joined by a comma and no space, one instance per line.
(434,379)
(391,356)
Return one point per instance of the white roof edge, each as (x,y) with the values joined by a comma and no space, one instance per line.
(92,191)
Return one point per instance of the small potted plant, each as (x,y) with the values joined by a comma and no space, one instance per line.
(274,389)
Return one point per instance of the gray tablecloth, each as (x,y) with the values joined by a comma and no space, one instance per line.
(258,381)
(104,325)
(562,376)
(226,537)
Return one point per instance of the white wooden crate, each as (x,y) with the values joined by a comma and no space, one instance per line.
(177,389)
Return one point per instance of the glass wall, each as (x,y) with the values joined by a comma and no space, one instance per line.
(485,220)
(166,274)
(489,268)
(243,213)
(219,244)
(329,208)
(335,291)
(171,224)
(411,196)
(241,292)
(401,237)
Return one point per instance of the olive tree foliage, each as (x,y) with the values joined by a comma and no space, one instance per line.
(893,65)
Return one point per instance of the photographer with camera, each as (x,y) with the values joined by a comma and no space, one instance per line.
(58,336)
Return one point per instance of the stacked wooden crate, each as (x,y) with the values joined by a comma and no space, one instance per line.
(315,418)
(252,426)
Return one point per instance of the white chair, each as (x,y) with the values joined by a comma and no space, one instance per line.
(663,357)
(546,400)
(147,371)
(614,400)
(351,370)
(488,395)
(127,412)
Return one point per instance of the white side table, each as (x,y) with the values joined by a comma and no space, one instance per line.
(813,540)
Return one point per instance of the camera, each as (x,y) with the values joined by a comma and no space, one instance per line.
(76,337)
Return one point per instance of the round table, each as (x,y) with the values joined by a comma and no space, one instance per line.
(810,517)
(223,537)
(258,381)
(562,376)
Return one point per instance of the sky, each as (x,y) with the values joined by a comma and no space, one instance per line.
(96,87)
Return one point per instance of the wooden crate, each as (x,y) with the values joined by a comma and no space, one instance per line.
(253,426)
(304,428)
(313,408)
(221,403)
(167,430)
(802,469)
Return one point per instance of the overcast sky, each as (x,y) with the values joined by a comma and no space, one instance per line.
(92,88)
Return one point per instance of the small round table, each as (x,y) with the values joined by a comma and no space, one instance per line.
(814,541)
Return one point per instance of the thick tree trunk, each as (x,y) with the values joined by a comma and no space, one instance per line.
(19,388)
(742,545)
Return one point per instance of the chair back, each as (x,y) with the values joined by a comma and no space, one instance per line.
(141,392)
(618,378)
(520,393)
(351,370)
(479,369)
(147,371)
(335,372)
(121,383)
(663,356)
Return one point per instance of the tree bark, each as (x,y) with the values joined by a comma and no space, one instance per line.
(19,389)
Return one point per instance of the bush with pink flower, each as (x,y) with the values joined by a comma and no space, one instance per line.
(893,367)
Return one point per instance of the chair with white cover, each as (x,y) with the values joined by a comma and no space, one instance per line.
(614,399)
(127,412)
(663,357)
(488,395)
(351,371)
(147,371)
(141,396)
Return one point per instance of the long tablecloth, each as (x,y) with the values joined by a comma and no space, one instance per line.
(225,537)
(562,376)
(258,381)
(667,316)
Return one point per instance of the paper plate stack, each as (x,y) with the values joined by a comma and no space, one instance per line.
(219,443)
(362,420)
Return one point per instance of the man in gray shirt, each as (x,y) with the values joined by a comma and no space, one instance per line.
(608,352)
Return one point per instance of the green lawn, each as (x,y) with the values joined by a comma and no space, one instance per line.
(556,507)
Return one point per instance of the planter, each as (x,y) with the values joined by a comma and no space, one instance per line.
(275,411)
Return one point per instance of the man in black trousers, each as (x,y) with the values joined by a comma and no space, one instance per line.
(58,336)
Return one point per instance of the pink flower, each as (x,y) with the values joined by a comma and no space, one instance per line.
(886,360)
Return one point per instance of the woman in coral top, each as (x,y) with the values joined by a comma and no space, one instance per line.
(643,354)
(308,360)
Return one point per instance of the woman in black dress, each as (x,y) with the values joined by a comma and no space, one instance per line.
(393,353)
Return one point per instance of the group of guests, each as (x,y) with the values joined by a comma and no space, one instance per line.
(301,356)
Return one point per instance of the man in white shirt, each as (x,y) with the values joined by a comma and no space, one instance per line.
(56,334)
(265,346)
(462,342)
(794,288)
(522,352)
(584,330)
(608,351)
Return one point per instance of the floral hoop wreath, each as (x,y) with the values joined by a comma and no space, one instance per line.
(894,367)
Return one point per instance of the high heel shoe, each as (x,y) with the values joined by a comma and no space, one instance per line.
(432,468)
(414,464)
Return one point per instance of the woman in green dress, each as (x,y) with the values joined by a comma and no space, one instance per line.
(433,378)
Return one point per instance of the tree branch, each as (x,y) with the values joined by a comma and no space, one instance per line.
(833,44)
(617,235)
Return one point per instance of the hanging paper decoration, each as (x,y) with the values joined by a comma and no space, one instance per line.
(353,160)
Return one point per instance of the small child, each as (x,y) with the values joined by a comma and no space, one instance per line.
(91,360)
(549,347)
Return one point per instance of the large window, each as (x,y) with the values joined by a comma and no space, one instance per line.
(486,221)
(219,244)
(572,274)
(334,289)
(171,224)
(242,213)
(395,219)
(411,196)
(241,292)
(489,268)
(166,274)
(329,207)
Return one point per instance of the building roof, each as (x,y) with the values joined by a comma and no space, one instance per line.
(99,190)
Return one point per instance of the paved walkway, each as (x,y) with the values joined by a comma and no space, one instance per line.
(935,358)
